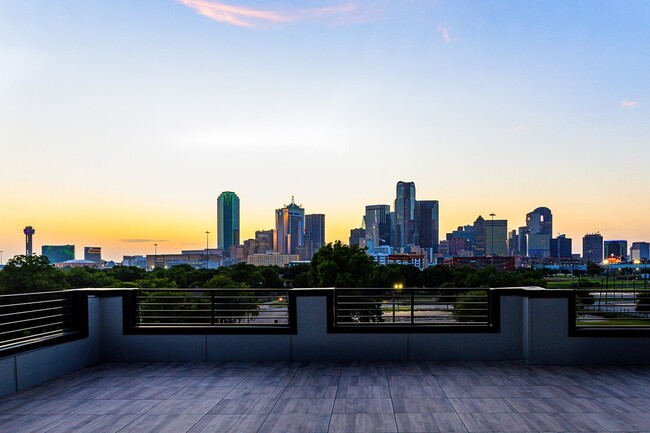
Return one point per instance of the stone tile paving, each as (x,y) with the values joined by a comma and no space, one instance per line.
(314,397)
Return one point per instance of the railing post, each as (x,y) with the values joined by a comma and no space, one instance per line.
(212,306)
(412,306)
(80,311)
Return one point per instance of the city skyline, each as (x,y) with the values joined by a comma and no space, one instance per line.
(122,122)
(504,226)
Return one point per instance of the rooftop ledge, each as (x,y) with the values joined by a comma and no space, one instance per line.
(46,335)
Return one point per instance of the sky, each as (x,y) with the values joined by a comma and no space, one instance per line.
(122,122)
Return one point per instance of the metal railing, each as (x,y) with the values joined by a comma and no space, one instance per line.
(224,308)
(412,307)
(623,308)
(36,317)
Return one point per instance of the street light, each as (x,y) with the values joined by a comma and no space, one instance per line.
(492,237)
(396,286)
(207,253)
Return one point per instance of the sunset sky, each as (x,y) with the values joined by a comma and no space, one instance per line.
(122,121)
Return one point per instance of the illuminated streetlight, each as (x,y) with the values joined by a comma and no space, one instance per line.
(396,286)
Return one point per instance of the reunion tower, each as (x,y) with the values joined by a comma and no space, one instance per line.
(29,231)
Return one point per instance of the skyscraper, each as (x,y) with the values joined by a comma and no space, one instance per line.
(356,235)
(617,248)
(640,251)
(592,247)
(289,228)
(522,244)
(263,241)
(561,247)
(405,226)
(227,220)
(427,216)
(496,232)
(315,230)
(540,231)
(461,241)
(378,224)
(478,244)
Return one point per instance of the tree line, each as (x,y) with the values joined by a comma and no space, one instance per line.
(333,265)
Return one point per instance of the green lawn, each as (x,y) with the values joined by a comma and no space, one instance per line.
(615,323)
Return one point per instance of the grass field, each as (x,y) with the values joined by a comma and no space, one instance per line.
(599,283)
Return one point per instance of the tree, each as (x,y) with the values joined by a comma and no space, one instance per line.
(339,265)
(88,278)
(232,306)
(436,276)
(28,274)
(594,269)
(296,276)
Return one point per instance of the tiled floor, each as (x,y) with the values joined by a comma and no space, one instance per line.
(335,397)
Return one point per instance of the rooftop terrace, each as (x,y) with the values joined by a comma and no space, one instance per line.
(325,360)
(304,397)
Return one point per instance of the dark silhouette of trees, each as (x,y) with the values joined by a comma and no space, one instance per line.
(28,274)
(339,265)
(334,265)
(594,269)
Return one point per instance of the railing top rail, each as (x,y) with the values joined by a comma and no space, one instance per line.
(52,293)
(221,289)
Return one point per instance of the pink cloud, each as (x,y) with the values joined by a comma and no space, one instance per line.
(629,104)
(254,18)
(444,31)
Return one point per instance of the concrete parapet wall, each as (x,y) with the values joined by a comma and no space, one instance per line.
(534,325)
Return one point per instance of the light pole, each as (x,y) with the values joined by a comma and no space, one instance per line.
(207,252)
(396,286)
(492,237)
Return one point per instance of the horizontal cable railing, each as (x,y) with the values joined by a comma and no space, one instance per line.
(32,317)
(399,307)
(612,308)
(211,308)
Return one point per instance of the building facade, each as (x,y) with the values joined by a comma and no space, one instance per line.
(616,248)
(500,263)
(271,259)
(640,251)
(405,224)
(58,253)
(496,242)
(378,224)
(263,241)
(227,220)
(478,244)
(314,234)
(427,216)
(93,254)
(592,247)
(539,226)
(357,236)
(561,247)
(289,228)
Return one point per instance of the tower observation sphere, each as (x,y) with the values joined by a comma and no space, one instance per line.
(29,232)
